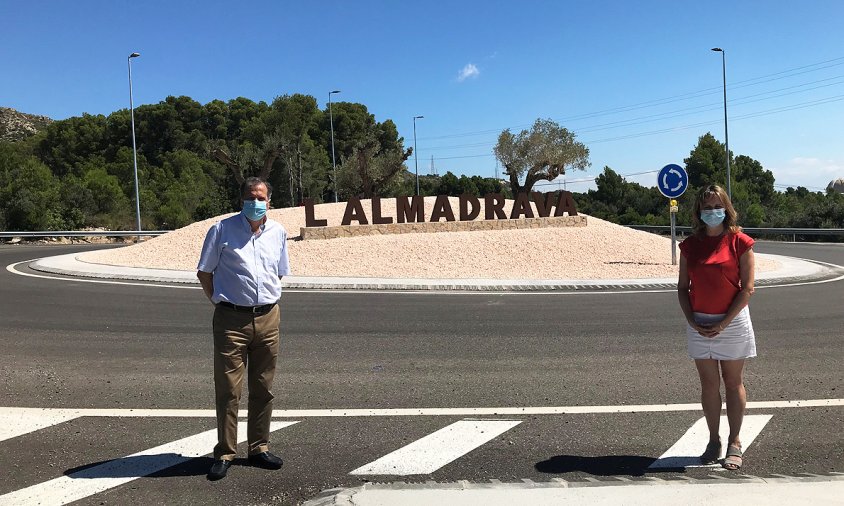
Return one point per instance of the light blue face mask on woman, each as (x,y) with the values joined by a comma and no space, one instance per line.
(254,210)
(712,217)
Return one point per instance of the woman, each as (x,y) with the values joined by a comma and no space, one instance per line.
(715,285)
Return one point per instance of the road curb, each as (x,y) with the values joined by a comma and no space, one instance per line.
(791,271)
(353,496)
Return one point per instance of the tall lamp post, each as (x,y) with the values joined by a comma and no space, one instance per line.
(134,146)
(415,154)
(726,136)
(333,159)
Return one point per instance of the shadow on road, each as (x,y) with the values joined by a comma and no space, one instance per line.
(607,465)
(163,465)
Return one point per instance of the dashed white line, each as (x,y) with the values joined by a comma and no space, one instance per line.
(93,480)
(426,455)
(16,422)
(686,451)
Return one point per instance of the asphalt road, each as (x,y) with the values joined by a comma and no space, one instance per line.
(72,344)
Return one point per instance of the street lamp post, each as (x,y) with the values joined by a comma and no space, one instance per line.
(333,159)
(415,154)
(726,136)
(134,146)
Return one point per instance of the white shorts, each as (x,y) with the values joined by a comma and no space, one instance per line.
(736,342)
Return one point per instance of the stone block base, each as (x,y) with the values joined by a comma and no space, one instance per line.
(440,226)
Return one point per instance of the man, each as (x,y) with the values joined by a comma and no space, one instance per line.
(243,260)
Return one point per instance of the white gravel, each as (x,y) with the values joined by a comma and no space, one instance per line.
(600,250)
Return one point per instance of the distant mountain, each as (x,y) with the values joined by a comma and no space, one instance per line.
(17,126)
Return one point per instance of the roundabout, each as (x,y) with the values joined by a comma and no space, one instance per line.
(788,271)
(527,255)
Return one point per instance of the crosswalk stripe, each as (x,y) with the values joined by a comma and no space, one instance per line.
(16,422)
(96,479)
(426,455)
(686,451)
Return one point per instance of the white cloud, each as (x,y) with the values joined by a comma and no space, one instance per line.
(813,173)
(469,71)
(815,164)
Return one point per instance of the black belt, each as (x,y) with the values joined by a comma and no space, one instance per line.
(249,309)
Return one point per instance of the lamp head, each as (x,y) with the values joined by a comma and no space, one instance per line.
(335,91)
(134,55)
(718,49)
(418,117)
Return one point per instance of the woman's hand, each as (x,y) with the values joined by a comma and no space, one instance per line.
(710,330)
(704,330)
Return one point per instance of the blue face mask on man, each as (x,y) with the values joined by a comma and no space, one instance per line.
(712,217)
(254,210)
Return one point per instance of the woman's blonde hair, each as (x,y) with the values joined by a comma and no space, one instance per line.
(730,218)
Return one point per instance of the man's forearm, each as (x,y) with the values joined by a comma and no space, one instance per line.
(206,279)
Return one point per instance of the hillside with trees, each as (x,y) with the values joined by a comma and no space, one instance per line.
(78,172)
(754,195)
(17,126)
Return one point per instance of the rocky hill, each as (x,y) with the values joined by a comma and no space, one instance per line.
(837,185)
(16,126)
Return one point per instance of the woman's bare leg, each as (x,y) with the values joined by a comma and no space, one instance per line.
(732,371)
(710,395)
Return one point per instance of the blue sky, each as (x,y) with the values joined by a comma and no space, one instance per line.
(636,81)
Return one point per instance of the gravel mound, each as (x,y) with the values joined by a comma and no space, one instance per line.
(600,250)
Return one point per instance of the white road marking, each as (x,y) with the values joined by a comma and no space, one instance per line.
(480,411)
(835,266)
(16,422)
(96,479)
(426,455)
(686,451)
(11,268)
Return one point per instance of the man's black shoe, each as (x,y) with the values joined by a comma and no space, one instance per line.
(218,469)
(266,460)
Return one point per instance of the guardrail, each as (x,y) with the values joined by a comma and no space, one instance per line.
(82,233)
(794,232)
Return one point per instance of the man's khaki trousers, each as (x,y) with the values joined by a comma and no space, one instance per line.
(244,343)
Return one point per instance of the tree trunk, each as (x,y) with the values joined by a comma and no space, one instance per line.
(530,180)
(515,187)
(269,160)
(366,178)
(299,183)
(291,184)
(226,160)
(536,173)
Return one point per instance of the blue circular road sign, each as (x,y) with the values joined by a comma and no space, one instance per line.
(672,180)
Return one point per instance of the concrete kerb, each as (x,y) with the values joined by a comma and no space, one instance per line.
(791,271)
(744,489)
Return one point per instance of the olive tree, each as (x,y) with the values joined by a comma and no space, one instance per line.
(544,152)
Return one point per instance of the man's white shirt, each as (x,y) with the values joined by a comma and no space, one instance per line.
(247,267)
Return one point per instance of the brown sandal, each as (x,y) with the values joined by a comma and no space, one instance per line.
(712,453)
(734,458)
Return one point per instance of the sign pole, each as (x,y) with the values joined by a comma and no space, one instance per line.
(673,232)
(672,182)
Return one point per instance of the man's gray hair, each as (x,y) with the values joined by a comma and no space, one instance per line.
(251,182)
